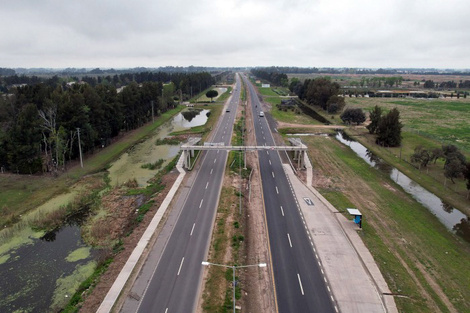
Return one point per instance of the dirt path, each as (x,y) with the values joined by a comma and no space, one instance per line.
(290,125)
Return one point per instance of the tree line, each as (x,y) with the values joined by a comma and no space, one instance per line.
(374,82)
(446,85)
(40,123)
(271,75)
(319,91)
(188,83)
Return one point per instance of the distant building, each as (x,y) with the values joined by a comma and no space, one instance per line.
(265,85)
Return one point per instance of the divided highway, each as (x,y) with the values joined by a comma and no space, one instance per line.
(175,283)
(299,281)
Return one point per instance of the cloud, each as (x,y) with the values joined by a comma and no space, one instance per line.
(361,33)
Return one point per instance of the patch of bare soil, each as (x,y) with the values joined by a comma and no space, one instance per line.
(120,217)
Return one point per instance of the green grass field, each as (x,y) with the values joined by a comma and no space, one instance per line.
(445,121)
(267,92)
(289,116)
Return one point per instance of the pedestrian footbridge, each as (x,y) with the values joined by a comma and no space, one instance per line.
(300,150)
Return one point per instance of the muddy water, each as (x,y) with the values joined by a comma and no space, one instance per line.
(452,218)
(41,271)
(129,165)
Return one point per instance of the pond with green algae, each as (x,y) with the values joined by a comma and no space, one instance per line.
(41,271)
(129,165)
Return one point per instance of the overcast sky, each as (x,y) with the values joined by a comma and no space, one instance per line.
(304,33)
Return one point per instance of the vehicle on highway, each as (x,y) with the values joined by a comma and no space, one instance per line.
(227,110)
(261,113)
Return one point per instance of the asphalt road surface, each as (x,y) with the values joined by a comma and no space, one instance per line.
(175,283)
(299,282)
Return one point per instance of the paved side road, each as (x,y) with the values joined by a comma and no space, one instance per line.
(355,280)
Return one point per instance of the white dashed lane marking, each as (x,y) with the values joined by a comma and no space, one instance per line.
(181,265)
(300,284)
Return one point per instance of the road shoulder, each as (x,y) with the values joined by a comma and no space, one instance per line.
(356,281)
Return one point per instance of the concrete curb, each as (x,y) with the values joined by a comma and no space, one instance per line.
(113,293)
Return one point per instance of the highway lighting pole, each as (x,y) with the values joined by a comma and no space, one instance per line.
(233,267)
(240,195)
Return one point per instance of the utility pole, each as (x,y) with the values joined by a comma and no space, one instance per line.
(153,115)
(80,147)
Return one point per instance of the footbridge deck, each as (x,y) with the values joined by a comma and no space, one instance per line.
(188,149)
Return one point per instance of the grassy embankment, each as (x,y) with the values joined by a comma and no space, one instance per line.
(228,235)
(21,193)
(419,258)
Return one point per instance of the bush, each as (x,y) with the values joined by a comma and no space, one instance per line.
(351,116)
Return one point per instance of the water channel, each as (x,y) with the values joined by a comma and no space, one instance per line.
(453,219)
(129,165)
(40,271)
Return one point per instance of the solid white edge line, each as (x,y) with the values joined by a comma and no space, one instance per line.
(300,284)
(181,265)
(192,229)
